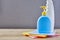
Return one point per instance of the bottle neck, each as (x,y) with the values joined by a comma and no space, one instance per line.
(44,13)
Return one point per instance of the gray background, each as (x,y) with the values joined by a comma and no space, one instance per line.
(24,13)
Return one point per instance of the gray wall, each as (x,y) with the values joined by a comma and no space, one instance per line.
(57,13)
(24,13)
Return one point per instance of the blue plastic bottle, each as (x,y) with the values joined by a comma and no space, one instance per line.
(44,23)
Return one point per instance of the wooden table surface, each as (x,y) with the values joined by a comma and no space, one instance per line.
(16,34)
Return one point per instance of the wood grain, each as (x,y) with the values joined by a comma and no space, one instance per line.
(16,34)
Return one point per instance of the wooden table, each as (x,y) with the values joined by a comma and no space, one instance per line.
(16,34)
